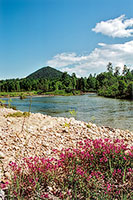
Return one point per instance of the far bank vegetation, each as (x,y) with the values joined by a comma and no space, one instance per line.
(111,83)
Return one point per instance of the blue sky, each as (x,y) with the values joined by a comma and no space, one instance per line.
(79,36)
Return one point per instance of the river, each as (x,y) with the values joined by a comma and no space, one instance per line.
(115,113)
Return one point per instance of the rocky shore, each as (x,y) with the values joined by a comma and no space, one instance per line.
(38,134)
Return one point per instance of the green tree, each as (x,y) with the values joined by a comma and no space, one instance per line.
(91,82)
(122,87)
(125,70)
(74,80)
(81,84)
(46,85)
(117,71)
(65,80)
(110,67)
(17,86)
(129,91)
(11,87)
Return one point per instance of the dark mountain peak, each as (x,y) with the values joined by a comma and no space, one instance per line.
(46,72)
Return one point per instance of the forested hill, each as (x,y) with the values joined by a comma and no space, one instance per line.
(112,83)
(46,73)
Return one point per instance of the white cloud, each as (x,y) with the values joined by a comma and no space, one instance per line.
(96,61)
(118,27)
(64,59)
(102,44)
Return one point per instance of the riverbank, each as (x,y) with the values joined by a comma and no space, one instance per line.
(39,93)
(38,134)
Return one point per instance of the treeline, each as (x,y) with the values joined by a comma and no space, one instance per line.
(109,84)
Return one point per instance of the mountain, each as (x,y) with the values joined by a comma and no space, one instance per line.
(46,72)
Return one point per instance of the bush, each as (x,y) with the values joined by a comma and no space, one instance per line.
(22,96)
(18,114)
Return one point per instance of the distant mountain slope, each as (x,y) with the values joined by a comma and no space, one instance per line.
(46,72)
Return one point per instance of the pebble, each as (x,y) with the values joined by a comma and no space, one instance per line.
(2,194)
(2,155)
(8,175)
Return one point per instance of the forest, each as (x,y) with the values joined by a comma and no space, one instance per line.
(111,83)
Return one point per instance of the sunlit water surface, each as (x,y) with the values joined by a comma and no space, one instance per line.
(115,113)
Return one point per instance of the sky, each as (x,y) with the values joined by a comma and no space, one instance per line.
(80,36)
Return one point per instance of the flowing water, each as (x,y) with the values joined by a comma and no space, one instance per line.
(115,113)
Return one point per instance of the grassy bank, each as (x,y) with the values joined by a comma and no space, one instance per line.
(34,93)
(17,94)
(63,93)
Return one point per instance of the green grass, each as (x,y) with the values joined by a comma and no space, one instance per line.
(18,114)
(62,92)
(17,94)
(32,93)
(88,126)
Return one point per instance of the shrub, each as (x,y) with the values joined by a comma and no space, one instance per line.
(18,114)
(22,96)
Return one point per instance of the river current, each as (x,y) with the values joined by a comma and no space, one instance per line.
(115,113)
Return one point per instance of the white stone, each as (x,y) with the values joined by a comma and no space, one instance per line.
(2,194)
(2,155)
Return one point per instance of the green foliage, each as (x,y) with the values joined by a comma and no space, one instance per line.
(74,78)
(88,126)
(22,96)
(129,90)
(110,68)
(46,73)
(73,113)
(91,82)
(56,92)
(51,81)
(116,85)
(9,103)
(117,71)
(122,87)
(2,102)
(18,114)
(66,125)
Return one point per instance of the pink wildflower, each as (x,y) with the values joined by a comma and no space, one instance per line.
(124,158)
(108,187)
(44,196)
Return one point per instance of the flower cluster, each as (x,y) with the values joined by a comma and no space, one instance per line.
(96,169)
